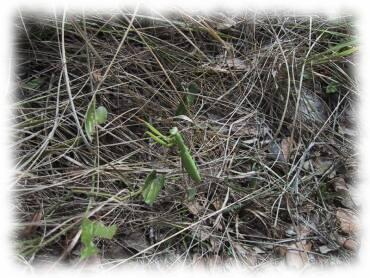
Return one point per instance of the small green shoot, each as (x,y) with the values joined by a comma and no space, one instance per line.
(93,117)
(91,230)
(152,186)
(33,84)
(331,88)
(187,100)
(307,75)
(191,192)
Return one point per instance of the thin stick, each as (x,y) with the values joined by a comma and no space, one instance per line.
(66,77)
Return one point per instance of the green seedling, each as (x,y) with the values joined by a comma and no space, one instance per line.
(33,84)
(331,88)
(173,139)
(187,100)
(93,117)
(93,229)
(191,193)
(152,186)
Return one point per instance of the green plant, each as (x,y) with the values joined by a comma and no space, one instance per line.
(191,192)
(153,184)
(33,84)
(331,88)
(187,100)
(93,117)
(339,50)
(175,138)
(91,230)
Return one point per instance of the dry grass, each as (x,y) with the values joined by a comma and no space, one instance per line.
(270,143)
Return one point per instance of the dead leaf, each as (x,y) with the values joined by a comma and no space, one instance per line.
(324,249)
(240,249)
(286,147)
(280,250)
(202,232)
(296,255)
(224,22)
(136,241)
(245,129)
(97,75)
(347,220)
(249,256)
(349,131)
(33,225)
(198,260)
(276,152)
(340,185)
(351,244)
(322,165)
(303,231)
(215,68)
(348,202)
(347,243)
(258,250)
(225,65)
(238,64)
(194,207)
(217,203)
(290,231)
(214,261)
(311,107)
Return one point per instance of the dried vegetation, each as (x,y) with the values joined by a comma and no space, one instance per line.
(272,130)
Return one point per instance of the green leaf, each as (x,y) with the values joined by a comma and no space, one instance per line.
(102,231)
(191,192)
(90,230)
(87,231)
(33,84)
(187,100)
(93,117)
(150,178)
(152,186)
(194,89)
(101,115)
(342,49)
(90,120)
(88,251)
(307,75)
(181,108)
(331,88)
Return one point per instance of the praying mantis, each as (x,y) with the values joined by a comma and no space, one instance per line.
(173,139)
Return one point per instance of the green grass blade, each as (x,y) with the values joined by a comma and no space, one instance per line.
(188,100)
(343,49)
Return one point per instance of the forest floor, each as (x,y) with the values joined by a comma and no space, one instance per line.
(265,103)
